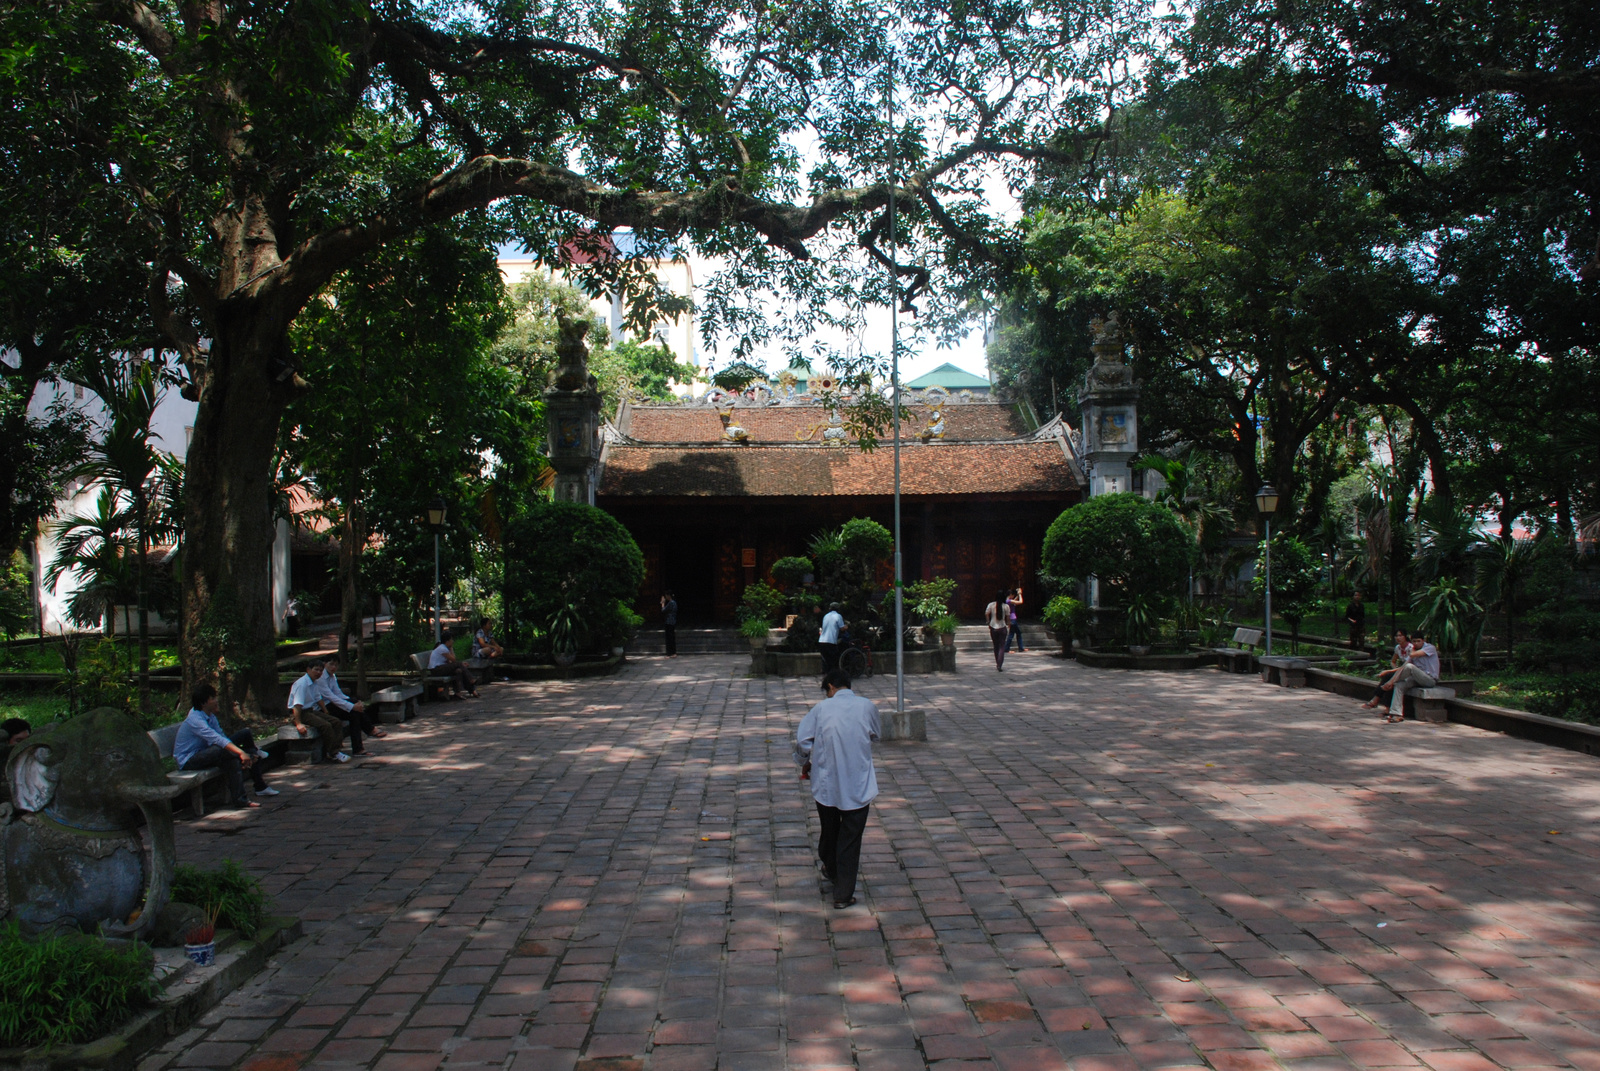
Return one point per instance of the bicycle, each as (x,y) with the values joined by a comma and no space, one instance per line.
(856,660)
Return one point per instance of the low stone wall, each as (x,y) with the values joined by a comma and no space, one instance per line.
(1556,732)
(779,662)
(549,671)
(1114,659)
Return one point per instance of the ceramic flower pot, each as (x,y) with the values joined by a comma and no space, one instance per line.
(202,955)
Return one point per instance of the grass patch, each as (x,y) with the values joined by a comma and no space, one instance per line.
(36,710)
(238,899)
(48,657)
(66,990)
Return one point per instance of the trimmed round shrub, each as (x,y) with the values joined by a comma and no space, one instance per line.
(1131,544)
(564,553)
(866,540)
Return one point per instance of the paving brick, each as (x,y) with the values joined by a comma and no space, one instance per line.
(1192,866)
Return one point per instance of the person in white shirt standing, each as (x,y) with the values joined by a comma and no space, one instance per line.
(834,748)
(1420,671)
(995,616)
(828,639)
(306,707)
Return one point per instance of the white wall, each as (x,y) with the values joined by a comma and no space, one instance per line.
(173,427)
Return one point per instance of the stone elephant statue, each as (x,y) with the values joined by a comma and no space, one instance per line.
(72,855)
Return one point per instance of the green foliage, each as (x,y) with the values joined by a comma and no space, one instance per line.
(71,989)
(563,554)
(1296,572)
(1143,618)
(1451,618)
(866,540)
(16,595)
(945,625)
(1067,617)
(929,600)
(792,571)
(753,628)
(1134,547)
(101,678)
(234,896)
(642,371)
(761,602)
(738,375)
(1575,698)
(566,629)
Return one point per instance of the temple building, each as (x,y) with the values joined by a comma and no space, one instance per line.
(717,489)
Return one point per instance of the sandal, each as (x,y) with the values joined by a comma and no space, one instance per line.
(840,905)
(377,734)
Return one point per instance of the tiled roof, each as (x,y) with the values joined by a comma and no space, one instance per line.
(786,423)
(925,469)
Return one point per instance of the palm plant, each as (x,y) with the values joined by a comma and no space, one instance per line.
(1503,564)
(95,547)
(1447,538)
(124,459)
(1452,617)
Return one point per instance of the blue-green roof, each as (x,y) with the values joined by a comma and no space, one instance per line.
(951,378)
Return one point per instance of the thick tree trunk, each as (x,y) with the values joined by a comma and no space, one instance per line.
(228,625)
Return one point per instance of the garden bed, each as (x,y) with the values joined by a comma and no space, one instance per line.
(187,992)
(1119,658)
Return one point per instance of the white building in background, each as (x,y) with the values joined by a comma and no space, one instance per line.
(173,426)
(677,276)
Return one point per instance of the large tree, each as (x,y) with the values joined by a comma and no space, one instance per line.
(269,147)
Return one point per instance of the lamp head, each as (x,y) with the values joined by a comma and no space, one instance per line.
(436,513)
(1267,499)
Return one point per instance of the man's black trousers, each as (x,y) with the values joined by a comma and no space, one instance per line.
(232,771)
(830,655)
(840,847)
(671,635)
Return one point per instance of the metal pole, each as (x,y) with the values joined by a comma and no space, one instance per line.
(894,380)
(1269,584)
(437,634)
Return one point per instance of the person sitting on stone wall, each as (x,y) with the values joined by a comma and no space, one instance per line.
(483,642)
(1402,648)
(1420,671)
(353,711)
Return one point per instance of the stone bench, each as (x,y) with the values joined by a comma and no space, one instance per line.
(300,750)
(1432,704)
(432,680)
(1287,672)
(1240,657)
(395,704)
(193,781)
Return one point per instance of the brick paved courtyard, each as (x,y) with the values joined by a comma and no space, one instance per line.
(1086,869)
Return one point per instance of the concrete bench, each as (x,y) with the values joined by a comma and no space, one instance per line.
(433,680)
(1432,704)
(301,750)
(193,781)
(1288,672)
(395,704)
(1240,657)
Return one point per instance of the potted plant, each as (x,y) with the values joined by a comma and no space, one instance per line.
(1066,619)
(564,627)
(200,943)
(944,627)
(755,630)
(1140,623)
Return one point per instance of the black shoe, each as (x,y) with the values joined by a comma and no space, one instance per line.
(840,905)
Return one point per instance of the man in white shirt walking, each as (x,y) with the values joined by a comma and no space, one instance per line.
(828,640)
(1420,671)
(834,747)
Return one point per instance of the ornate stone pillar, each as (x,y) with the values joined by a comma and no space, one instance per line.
(1109,402)
(572,416)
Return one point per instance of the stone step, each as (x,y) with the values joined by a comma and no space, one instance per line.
(691,641)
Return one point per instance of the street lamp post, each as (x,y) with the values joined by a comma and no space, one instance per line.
(1267,503)
(436,522)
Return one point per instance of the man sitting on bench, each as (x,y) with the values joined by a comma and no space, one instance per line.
(201,745)
(443,662)
(307,709)
(353,711)
(1420,671)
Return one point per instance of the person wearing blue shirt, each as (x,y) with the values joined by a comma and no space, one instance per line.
(202,745)
(829,641)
